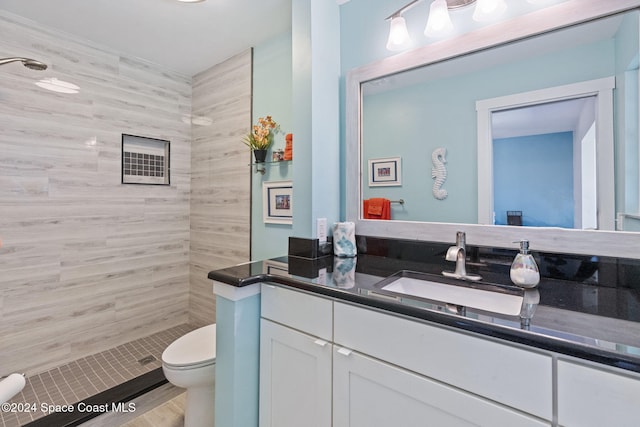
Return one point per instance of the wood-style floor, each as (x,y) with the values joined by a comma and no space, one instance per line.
(162,407)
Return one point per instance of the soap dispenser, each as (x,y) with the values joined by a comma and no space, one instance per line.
(524,270)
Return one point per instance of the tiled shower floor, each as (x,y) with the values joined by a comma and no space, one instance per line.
(80,379)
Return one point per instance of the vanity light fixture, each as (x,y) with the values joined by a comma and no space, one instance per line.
(191,1)
(398,34)
(439,23)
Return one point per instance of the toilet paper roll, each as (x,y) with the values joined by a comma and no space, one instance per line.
(11,386)
(344,239)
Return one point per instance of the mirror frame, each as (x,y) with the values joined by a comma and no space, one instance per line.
(549,239)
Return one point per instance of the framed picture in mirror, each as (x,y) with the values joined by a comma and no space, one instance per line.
(385,172)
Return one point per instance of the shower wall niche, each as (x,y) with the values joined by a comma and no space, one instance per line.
(145,160)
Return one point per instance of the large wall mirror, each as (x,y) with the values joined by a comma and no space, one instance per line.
(530,127)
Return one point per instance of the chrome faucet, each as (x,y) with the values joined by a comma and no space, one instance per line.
(458,253)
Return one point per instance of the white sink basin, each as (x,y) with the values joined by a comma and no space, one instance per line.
(496,302)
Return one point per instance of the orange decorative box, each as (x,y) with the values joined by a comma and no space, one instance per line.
(288,148)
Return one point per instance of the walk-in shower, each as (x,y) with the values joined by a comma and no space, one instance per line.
(31,64)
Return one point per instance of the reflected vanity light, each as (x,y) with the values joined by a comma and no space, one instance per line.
(439,22)
(197,120)
(201,121)
(55,85)
(487,10)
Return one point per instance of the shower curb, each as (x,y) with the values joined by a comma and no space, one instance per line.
(121,393)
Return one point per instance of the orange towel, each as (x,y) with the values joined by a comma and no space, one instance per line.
(377,208)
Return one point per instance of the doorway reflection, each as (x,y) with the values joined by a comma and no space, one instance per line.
(544,164)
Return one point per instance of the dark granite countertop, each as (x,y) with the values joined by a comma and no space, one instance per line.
(582,314)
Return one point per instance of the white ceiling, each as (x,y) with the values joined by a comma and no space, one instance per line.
(552,117)
(184,37)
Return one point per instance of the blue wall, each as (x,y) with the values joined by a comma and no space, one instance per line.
(316,113)
(272,95)
(627,165)
(296,80)
(421,118)
(534,174)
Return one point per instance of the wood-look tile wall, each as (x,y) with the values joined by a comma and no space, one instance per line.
(88,263)
(220,177)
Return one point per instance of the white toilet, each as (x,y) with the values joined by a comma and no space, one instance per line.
(190,362)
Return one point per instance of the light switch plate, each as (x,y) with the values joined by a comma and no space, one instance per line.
(321,230)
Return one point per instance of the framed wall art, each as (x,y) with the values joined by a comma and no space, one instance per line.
(277,202)
(385,172)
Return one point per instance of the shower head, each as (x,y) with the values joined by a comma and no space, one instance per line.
(31,64)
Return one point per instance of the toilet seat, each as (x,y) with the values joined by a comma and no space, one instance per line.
(192,350)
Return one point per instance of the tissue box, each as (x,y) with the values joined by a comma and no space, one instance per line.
(309,248)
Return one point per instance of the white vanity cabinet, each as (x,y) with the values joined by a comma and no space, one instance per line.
(330,363)
(295,359)
(592,397)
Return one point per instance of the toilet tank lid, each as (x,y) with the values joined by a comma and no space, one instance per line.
(195,347)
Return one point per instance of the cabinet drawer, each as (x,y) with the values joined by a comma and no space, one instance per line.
(515,377)
(307,313)
(592,397)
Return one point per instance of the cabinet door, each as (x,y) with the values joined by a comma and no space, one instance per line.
(589,397)
(370,393)
(295,378)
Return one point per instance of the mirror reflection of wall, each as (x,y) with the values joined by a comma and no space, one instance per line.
(412,113)
(544,159)
(533,175)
